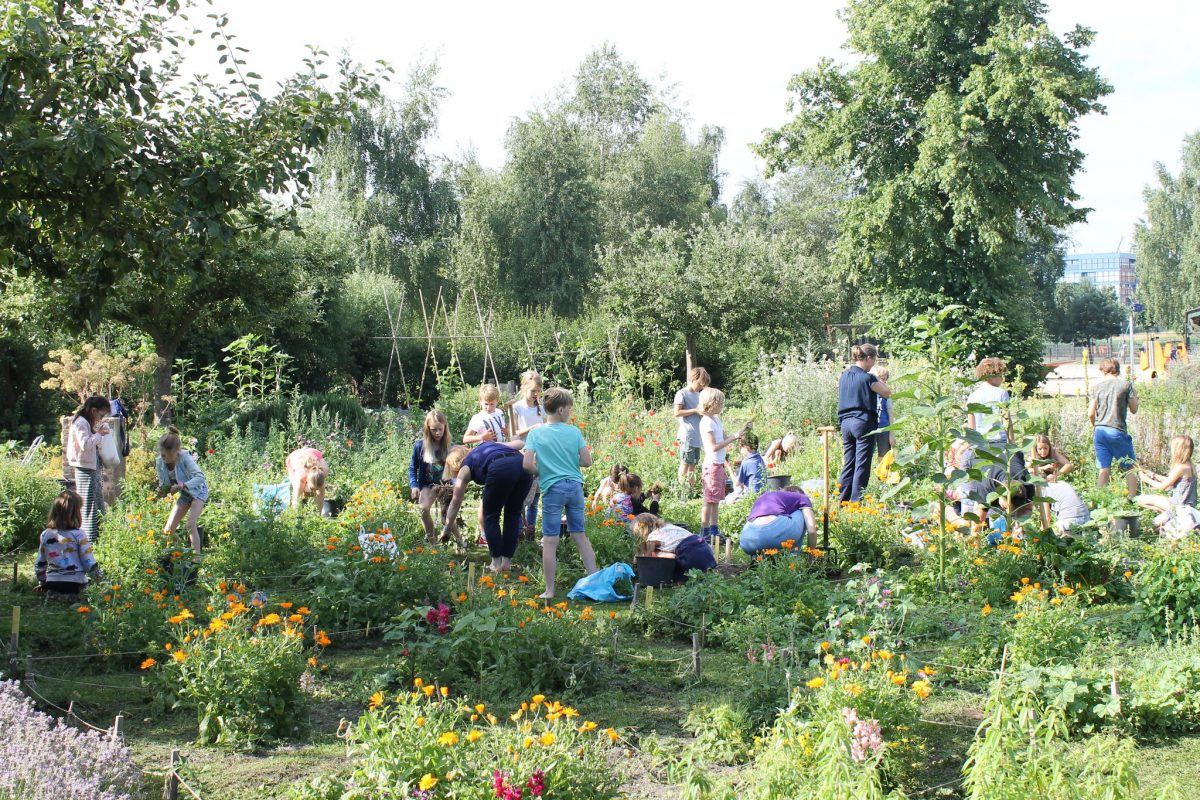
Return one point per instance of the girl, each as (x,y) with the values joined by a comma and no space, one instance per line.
(64,551)
(687,411)
(308,473)
(658,538)
(1047,461)
(712,434)
(498,468)
(608,487)
(1178,513)
(428,463)
(629,501)
(527,414)
(777,517)
(780,449)
(886,440)
(83,439)
(178,474)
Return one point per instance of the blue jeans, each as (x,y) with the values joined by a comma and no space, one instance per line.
(693,553)
(1112,444)
(504,493)
(858,445)
(767,535)
(565,495)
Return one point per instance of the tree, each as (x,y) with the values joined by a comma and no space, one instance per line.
(1168,240)
(959,123)
(1084,313)
(115,171)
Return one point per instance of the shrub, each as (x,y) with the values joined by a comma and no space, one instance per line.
(425,744)
(1167,586)
(25,500)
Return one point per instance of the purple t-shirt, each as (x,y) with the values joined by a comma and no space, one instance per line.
(779,504)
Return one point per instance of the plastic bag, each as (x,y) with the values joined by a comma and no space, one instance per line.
(110,455)
(883,470)
(272,497)
(599,586)
(378,544)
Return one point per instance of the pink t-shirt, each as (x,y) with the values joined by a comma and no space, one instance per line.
(297,458)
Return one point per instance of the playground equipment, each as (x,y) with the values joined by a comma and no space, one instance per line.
(1156,356)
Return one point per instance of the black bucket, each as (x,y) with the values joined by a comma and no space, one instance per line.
(331,508)
(655,571)
(776,483)
(1127,526)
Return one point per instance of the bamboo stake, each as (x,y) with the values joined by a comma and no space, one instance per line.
(825,430)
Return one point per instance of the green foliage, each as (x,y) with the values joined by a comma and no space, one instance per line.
(25,499)
(1168,240)
(722,734)
(1167,586)
(1084,313)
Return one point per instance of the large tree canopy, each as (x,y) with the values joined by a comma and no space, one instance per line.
(1168,241)
(960,124)
(1085,313)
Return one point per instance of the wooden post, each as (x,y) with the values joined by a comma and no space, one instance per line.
(171,785)
(14,638)
(728,551)
(470,577)
(696,653)
(633,601)
(825,430)
(649,596)
(616,647)
(30,678)
(117,733)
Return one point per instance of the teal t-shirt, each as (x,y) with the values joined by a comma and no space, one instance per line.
(557,446)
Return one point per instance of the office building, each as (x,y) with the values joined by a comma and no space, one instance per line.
(1112,270)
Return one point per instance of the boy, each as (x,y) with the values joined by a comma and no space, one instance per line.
(555,453)
(489,424)
(1113,399)
(994,424)
(687,409)
(752,472)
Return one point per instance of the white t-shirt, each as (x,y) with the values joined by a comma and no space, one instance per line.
(712,425)
(493,422)
(668,537)
(993,396)
(528,416)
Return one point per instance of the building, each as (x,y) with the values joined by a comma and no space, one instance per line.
(1114,270)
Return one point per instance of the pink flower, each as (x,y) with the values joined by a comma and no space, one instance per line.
(864,737)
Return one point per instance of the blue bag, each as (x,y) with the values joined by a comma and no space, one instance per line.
(598,587)
(272,497)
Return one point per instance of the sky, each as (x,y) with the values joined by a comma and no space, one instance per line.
(729,64)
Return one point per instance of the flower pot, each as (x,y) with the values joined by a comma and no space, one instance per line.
(1127,525)
(331,508)
(655,571)
(776,483)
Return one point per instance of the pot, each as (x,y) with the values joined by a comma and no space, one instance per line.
(776,483)
(655,571)
(1127,525)
(331,508)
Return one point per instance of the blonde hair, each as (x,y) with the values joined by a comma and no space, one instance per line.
(314,476)
(990,368)
(881,372)
(712,401)
(1181,450)
(489,393)
(642,526)
(454,460)
(788,442)
(1040,439)
(699,375)
(435,451)
(530,379)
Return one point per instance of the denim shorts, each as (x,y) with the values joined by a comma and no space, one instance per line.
(689,455)
(563,496)
(1113,444)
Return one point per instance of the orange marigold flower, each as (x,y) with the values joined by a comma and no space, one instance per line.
(148,663)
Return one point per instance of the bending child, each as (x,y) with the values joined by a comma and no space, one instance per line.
(658,538)
(308,473)
(179,475)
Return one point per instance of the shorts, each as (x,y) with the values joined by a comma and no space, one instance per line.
(185,499)
(689,455)
(1113,444)
(563,496)
(714,483)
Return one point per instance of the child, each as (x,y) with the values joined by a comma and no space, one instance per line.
(426,467)
(712,433)
(307,472)
(657,538)
(1047,461)
(64,551)
(1068,509)
(886,440)
(629,501)
(1178,513)
(687,409)
(498,468)
(780,449)
(752,472)
(526,414)
(555,452)
(993,424)
(608,487)
(488,425)
(83,439)
(777,517)
(178,474)
(1113,399)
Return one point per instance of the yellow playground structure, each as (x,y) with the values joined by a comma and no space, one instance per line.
(1156,355)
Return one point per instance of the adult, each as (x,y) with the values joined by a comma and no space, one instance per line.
(858,418)
(308,473)
(497,466)
(687,410)
(777,517)
(994,424)
(83,453)
(1113,399)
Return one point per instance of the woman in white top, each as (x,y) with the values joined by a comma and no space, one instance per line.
(83,440)
(526,413)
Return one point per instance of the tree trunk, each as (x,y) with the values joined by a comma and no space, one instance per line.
(690,355)
(165,350)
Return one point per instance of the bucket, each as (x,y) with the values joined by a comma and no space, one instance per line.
(1127,525)
(776,483)
(655,571)
(331,508)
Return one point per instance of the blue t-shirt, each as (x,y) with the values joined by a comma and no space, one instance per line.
(557,447)
(883,411)
(752,472)
(855,398)
(483,455)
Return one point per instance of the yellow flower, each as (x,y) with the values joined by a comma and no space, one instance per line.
(587,727)
(271,619)
(816,683)
(420,722)
(445,691)
(922,689)
(480,708)
(179,656)
(417,682)
(427,782)
(448,739)
(1066,591)
(987,609)
(528,743)
(376,701)
(900,679)
(428,690)
(538,698)
(474,736)
(866,640)
(612,734)
(547,738)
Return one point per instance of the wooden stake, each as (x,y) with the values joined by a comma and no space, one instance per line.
(30,678)
(470,577)
(14,638)
(117,734)
(616,649)
(728,551)
(633,601)
(171,786)
(649,596)
(696,653)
